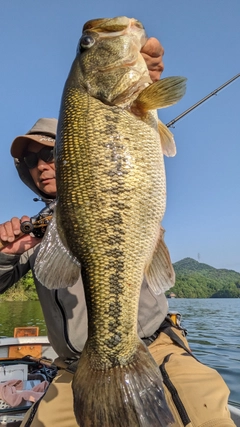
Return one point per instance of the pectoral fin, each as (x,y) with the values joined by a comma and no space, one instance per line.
(55,266)
(167,140)
(159,272)
(161,94)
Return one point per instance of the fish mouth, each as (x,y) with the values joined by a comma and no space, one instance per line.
(117,24)
(114,27)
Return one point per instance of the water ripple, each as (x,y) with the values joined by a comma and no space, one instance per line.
(213,335)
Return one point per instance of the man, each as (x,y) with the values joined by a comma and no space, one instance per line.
(65,310)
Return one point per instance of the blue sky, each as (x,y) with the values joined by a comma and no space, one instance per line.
(201,40)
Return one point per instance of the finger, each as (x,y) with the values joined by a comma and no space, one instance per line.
(156,74)
(16,223)
(6,232)
(155,66)
(25,218)
(19,245)
(152,53)
(153,48)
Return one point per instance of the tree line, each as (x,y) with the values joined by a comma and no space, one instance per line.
(193,280)
(198,280)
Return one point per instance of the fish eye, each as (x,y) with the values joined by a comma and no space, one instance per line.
(86,42)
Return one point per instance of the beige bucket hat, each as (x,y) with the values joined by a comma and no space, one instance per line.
(44,132)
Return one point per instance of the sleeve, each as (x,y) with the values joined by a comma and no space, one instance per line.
(152,311)
(12,268)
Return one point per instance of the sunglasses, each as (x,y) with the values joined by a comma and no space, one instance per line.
(31,159)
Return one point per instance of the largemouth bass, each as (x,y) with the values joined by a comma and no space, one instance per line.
(111,200)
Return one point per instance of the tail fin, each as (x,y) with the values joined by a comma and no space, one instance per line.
(123,396)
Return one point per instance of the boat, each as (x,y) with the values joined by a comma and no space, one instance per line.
(25,344)
(28,357)
(17,347)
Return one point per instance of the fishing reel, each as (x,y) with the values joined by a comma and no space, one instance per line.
(38,223)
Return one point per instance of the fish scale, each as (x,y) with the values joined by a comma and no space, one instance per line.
(111,170)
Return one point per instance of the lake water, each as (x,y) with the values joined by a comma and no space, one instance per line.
(213,331)
(213,327)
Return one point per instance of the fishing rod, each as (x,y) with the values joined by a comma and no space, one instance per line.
(214,92)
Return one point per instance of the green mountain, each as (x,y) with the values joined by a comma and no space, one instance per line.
(197,280)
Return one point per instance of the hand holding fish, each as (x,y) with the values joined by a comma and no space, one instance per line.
(152,53)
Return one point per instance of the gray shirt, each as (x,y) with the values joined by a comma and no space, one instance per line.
(65,310)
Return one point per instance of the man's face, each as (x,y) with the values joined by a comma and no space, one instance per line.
(43,174)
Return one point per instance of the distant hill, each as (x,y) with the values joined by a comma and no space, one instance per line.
(193,280)
(197,280)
